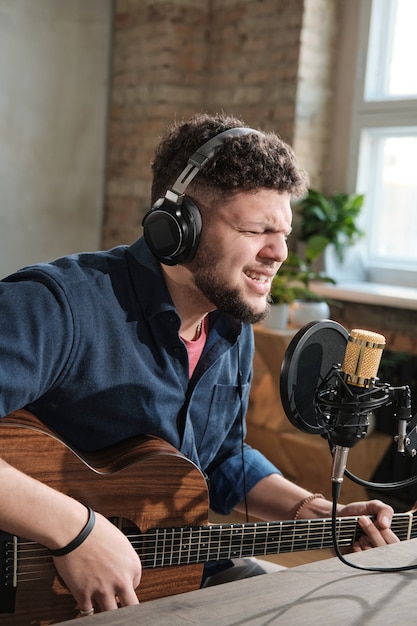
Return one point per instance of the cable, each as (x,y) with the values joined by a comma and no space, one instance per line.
(407,482)
(242,442)
(335,497)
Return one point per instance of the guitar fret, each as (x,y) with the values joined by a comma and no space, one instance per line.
(181,546)
(256,529)
(223,551)
(409,527)
(218,553)
(293,537)
(203,545)
(231,540)
(192,548)
(301,538)
(266,540)
(164,554)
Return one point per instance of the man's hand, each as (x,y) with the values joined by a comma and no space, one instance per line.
(104,571)
(377,532)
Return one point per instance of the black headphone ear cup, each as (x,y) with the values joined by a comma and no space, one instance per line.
(192,217)
(172,230)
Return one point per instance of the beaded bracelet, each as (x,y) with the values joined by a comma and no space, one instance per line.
(82,536)
(306,501)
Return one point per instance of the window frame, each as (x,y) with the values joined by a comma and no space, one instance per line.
(358,113)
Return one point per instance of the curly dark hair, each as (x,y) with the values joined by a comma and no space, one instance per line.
(244,163)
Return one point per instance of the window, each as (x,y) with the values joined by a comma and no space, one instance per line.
(391,46)
(384,140)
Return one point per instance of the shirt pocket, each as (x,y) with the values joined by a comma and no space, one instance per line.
(224,411)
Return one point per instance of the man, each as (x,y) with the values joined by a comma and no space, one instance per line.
(156,338)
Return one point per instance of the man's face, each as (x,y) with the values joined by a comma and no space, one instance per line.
(243,244)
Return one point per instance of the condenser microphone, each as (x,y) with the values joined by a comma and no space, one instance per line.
(329,385)
(347,407)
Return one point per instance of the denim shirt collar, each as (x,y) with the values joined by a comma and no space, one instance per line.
(155,298)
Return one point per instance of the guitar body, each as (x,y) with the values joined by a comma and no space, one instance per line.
(144,480)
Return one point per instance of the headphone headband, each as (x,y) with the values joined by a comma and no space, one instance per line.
(200,158)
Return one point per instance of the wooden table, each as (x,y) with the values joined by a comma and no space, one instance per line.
(324,592)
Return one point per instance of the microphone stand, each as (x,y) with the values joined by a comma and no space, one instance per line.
(344,416)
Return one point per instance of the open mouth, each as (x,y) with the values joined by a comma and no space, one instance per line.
(259,278)
(260,282)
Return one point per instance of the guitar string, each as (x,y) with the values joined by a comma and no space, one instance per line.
(215,531)
(30,552)
(213,534)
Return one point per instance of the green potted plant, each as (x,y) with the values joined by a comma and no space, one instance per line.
(329,222)
(306,305)
(291,295)
(282,292)
(282,295)
(299,275)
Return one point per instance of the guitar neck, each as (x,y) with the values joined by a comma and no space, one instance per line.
(193,546)
(181,546)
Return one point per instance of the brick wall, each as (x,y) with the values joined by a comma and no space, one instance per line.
(397,325)
(254,52)
(268,61)
(313,114)
(159,62)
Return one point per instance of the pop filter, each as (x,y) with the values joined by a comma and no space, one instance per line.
(308,359)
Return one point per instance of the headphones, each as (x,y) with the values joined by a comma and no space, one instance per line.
(172,227)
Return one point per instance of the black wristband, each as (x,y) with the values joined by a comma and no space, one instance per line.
(77,541)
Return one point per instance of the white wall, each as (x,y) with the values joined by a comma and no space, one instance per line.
(54,72)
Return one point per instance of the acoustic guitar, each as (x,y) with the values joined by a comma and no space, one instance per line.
(160,501)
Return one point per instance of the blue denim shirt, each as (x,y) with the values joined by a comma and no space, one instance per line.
(89,343)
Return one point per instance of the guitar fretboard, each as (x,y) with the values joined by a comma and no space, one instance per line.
(162,547)
(180,546)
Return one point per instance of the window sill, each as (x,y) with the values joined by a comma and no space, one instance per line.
(369,293)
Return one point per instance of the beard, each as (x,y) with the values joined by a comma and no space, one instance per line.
(227,299)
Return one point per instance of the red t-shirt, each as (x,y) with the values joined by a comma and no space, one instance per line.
(195,348)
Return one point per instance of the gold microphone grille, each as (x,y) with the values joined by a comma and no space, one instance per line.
(362,357)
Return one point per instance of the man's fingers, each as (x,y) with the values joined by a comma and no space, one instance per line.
(129,598)
(374,536)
